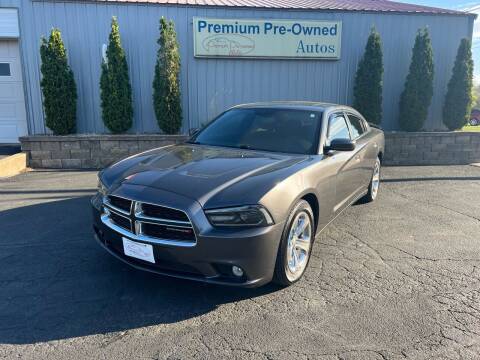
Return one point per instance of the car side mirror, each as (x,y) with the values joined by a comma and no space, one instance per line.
(340,145)
(193,131)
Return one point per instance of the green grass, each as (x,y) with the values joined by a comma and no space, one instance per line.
(471,128)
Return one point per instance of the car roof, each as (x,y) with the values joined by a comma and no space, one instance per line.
(294,105)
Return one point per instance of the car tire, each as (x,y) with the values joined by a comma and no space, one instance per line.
(374,185)
(295,247)
(473,122)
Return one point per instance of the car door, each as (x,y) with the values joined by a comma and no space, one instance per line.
(362,165)
(342,161)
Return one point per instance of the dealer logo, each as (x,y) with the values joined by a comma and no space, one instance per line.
(228,45)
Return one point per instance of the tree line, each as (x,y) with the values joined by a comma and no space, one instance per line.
(417,95)
(60,94)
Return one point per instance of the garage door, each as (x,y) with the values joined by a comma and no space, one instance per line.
(13,119)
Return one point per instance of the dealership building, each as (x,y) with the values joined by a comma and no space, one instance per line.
(232,51)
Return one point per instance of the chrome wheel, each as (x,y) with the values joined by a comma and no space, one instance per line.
(375,179)
(298,246)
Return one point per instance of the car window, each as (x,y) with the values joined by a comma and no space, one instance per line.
(357,127)
(337,128)
(268,129)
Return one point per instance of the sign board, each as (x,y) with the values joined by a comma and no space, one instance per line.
(265,38)
(9,23)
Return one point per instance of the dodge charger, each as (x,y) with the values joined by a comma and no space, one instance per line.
(241,202)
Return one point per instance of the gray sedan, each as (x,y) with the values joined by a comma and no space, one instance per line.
(241,202)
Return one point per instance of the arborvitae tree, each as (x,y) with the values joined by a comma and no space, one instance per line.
(369,80)
(166,83)
(417,95)
(58,86)
(115,88)
(458,101)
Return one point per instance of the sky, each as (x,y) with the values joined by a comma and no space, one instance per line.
(469,5)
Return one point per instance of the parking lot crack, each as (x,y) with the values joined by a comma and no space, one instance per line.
(375,252)
(435,204)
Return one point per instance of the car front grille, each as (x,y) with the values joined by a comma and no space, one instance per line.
(148,222)
(121,221)
(120,203)
(163,212)
(167,232)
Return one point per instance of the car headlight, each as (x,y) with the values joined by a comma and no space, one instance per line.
(250,215)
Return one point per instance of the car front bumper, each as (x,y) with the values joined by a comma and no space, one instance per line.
(211,258)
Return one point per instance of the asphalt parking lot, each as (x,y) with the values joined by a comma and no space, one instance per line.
(398,279)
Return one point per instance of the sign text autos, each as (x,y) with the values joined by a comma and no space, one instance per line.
(267,38)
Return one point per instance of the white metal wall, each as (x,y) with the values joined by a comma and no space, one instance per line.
(13,119)
(211,85)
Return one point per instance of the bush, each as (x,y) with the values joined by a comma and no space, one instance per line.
(58,86)
(418,92)
(166,84)
(369,80)
(115,88)
(459,99)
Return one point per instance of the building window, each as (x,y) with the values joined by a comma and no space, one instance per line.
(5,69)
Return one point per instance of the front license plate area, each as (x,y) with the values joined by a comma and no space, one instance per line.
(138,250)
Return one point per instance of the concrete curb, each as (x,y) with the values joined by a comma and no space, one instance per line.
(13,165)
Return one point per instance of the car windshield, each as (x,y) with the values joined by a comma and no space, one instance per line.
(267,129)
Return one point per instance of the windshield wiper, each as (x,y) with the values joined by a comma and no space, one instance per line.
(244,146)
(241,146)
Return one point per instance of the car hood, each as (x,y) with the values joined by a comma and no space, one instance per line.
(196,171)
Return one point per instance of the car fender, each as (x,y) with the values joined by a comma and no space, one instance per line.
(281,199)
